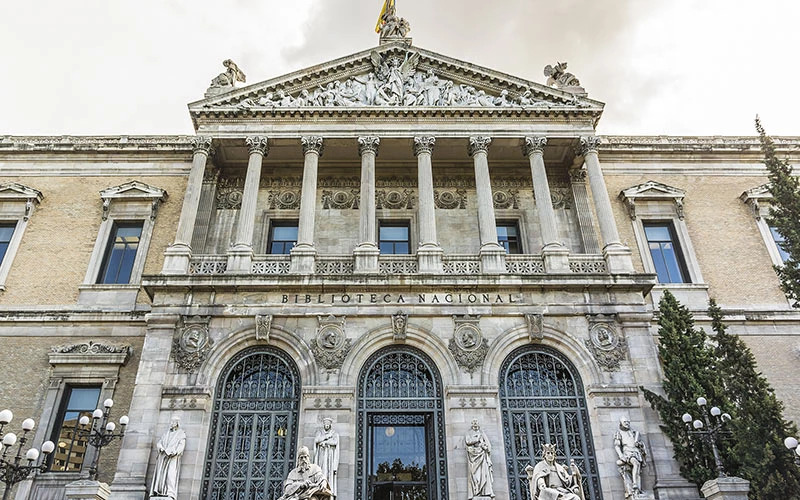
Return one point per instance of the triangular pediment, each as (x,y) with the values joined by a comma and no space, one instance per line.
(757,193)
(16,191)
(652,190)
(396,77)
(133,190)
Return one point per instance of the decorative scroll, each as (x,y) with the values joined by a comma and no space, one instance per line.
(341,200)
(394,199)
(450,200)
(284,200)
(92,348)
(506,199)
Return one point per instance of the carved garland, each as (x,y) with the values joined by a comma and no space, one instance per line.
(468,346)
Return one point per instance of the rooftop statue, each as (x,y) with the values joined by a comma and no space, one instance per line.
(390,25)
(557,76)
(226,80)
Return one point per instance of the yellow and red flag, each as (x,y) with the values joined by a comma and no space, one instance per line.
(387,4)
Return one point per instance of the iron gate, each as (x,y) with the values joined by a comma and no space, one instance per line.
(400,385)
(542,400)
(252,442)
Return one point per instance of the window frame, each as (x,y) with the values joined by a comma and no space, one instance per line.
(111,242)
(277,222)
(17,204)
(58,422)
(759,199)
(396,222)
(680,260)
(505,222)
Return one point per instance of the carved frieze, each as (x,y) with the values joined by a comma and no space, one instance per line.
(263,326)
(193,343)
(399,326)
(394,199)
(341,200)
(92,347)
(560,196)
(449,200)
(229,193)
(606,345)
(331,345)
(468,346)
(506,198)
(284,200)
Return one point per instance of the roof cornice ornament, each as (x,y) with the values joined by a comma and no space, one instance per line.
(559,77)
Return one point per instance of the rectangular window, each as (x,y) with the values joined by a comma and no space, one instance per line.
(282,237)
(779,240)
(120,253)
(508,236)
(665,252)
(393,237)
(71,448)
(6,232)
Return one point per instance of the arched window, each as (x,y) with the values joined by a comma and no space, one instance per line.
(542,400)
(401,451)
(253,436)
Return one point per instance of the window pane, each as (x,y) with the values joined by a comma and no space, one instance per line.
(657,233)
(285,233)
(387,248)
(665,252)
(121,253)
(282,237)
(6,231)
(394,233)
(778,238)
(401,248)
(83,398)
(71,448)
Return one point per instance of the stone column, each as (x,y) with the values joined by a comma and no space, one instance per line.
(366,253)
(240,255)
(177,255)
(129,481)
(429,253)
(493,256)
(577,179)
(554,253)
(304,254)
(617,255)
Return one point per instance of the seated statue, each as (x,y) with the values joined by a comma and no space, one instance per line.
(552,481)
(306,481)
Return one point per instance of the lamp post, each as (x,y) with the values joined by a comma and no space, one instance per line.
(100,433)
(709,429)
(792,444)
(16,467)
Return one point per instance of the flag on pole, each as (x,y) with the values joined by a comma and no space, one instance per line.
(387,4)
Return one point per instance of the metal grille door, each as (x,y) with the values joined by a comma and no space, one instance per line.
(542,400)
(254,427)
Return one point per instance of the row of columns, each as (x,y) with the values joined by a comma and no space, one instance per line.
(430,254)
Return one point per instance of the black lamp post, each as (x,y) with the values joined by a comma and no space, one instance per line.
(709,429)
(101,432)
(16,467)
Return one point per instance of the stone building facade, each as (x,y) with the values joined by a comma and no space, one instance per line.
(396,240)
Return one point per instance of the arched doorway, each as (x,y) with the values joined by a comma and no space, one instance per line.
(401,451)
(252,442)
(542,400)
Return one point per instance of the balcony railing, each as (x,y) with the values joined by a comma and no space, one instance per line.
(208,264)
(270,264)
(587,264)
(524,264)
(462,264)
(398,264)
(335,265)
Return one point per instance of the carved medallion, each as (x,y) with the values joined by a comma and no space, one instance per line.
(535,324)
(506,199)
(393,199)
(263,326)
(341,200)
(190,349)
(468,346)
(331,346)
(399,326)
(449,200)
(229,193)
(284,200)
(606,345)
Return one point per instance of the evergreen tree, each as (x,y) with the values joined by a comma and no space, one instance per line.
(758,427)
(784,214)
(689,373)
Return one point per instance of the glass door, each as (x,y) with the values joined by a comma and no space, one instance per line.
(399,452)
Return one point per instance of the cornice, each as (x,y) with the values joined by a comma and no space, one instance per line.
(677,144)
(96,144)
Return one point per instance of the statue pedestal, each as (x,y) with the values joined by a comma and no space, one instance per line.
(726,488)
(85,489)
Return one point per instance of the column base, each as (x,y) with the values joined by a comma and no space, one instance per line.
(240,259)
(493,259)
(366,258)
(556,258)
(304,258)
(429,259)
(176,259)
(85,489)
(618,258)
(726,488)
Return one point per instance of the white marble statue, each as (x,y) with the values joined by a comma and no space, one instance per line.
(230,76)
(550,480)
(479,463)
(631,455)
(168,465)
(306,481)
(326,452)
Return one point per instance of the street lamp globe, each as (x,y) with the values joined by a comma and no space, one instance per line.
(28,424)
(701,401)
(108,403)
(698,424)
(48,447)
(98,413)
(790,443)
(6,416)
(10,439)
(32,454)
(687,418)
(84,420)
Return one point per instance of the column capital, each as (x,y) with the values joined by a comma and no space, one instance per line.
(257,144)
(479,144)
(588,144)
(368,143)
(533,145)
(312,144)
(424,144)
(202,144)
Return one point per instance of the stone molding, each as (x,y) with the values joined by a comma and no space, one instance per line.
(652,190)
(13,191)
(90,353)
(754,196)
(133,191)
(535,324)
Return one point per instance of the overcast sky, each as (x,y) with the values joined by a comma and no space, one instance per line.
(699,67)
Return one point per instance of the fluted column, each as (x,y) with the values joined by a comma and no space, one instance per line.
(492,254)
(429,253)
(240,255)
(304,254)
(577,179)
(554,253)
(366,253)
(617,255)
(177,255)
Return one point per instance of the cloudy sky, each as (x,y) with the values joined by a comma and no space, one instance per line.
(699,67)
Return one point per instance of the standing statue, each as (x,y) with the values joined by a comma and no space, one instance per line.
(326,452)
(168,465)
(306,481)
(479,463)
(550,480)
(390,25)
(631,455)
